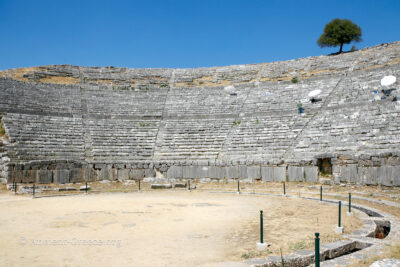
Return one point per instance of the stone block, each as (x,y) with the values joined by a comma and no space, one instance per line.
(160,186)
(267,174)
(388,175)
(45,176)
(62,176)
(180,185)
(220,172)
(136,174)
(175,172)
(89,174)
(188,172)
(254,172)
(311,174)
(232,172)
(296,174)
(29,176)
(242,171)
(150,173)
(201,171)
(77,175)
(396,175)
(368,175)
(279,174)
(123,174)
(346,173)
(213,172)
(104,173)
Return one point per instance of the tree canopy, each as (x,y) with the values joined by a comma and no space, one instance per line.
(339,32)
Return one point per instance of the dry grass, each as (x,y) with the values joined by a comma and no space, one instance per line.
(2,130)
(18,74)
(205,81)
(390,251)
(59,80)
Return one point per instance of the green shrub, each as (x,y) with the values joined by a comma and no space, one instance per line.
(294,80)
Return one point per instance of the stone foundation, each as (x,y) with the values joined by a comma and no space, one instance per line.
(364,172)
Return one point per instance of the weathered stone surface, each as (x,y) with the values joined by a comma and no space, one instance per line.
(311,174)
(346,173)
(62,176)
(45,176)
(136,174)
(232,172)
(368,175)
(267,174)
(123,174)
(179,185)
(83,188)
(254,172)
(296,174)
(219,122)
(279,174)
(161,186)
(386,263)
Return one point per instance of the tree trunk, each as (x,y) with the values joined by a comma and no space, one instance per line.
(341,47)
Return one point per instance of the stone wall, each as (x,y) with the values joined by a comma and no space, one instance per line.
(381,170)
(67,123)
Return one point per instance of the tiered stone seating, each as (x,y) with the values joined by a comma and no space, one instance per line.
(264,138)
(351,130)
(204,101)
(140,103)
(37,137)
(39,98)
(192,139)
(105,116)
(116,140)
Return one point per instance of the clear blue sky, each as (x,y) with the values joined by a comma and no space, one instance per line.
(181,33)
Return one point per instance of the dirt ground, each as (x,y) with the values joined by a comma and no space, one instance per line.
(157,228)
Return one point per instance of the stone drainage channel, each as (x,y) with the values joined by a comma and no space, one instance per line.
(379,229)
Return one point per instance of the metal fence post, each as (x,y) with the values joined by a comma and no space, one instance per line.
(238,186)
(33,190)
(320,193)
(261,227)
(316,249)
(349,202)
(340,213)
(284,188)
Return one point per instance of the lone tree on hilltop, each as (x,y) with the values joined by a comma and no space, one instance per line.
(339,32)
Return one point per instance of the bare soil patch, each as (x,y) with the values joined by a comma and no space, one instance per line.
(160,228)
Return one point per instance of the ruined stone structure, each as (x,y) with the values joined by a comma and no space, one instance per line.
(69,124)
